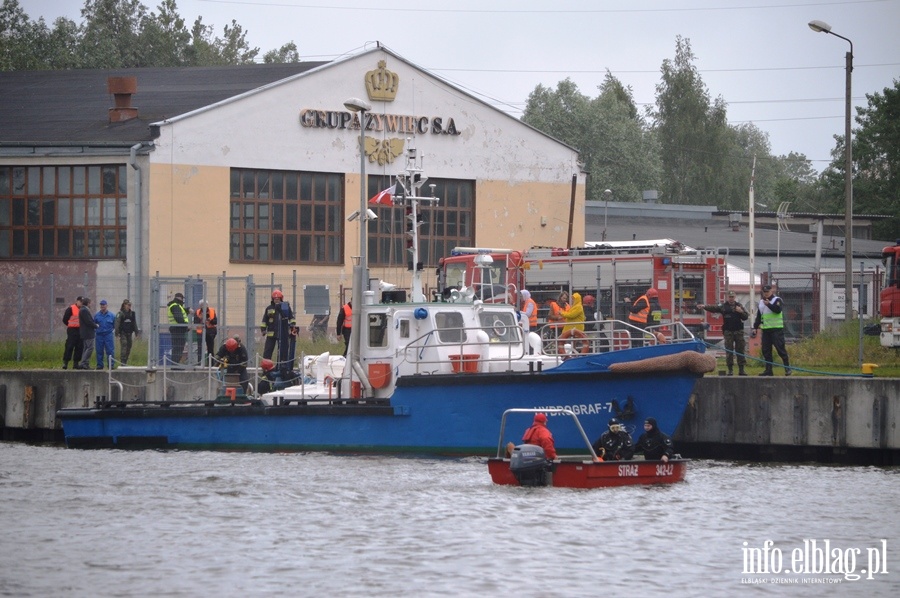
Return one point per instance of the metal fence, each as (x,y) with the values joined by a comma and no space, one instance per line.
(39,303)
(815,301)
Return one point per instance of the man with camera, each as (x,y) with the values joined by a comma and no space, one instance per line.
(770,317)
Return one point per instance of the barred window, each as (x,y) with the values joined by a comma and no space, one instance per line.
(446,224)
(286,217)
(63,211)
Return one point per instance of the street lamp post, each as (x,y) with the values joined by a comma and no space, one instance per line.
(823,27)
(606,196)
(360,269)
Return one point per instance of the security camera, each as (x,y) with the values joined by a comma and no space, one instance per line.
(353,216)
(371,214)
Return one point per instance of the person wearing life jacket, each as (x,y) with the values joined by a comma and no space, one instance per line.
(539,434)
(178,326)
(211,328)
(555,317)
(74,347)
(279,327)
(345,324)
(770,317)
(529,310)
(640,312)
(233,356)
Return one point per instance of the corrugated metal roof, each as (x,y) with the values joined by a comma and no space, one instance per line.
(72,107)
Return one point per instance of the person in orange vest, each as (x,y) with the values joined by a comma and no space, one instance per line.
(345,324)
(555,316)
(211,327)
(529,310)
(74,346)
(640,311)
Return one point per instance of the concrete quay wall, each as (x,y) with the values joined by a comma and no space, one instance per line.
(825,419)
(29,399)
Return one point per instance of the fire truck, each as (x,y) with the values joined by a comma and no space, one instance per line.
(890,297)
(613,273)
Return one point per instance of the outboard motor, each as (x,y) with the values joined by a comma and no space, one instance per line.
(530,466)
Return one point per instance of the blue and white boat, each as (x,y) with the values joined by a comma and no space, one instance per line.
(428,377)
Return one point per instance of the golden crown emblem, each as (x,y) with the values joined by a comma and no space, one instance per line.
(382,84)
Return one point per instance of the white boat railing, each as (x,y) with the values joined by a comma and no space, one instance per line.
(605,336)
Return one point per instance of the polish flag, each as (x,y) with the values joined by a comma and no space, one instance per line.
(384,197)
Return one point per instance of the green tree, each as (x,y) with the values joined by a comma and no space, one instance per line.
(233,48)
(286,53)
(111,33)
(165,37)
(876,156)
(797,181)
(616,148)
(620,152)
(693,133)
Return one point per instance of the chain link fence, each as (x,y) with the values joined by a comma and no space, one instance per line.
(39,303)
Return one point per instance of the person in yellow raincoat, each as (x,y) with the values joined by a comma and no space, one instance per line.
(574,315)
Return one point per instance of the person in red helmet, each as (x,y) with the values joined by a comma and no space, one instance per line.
(643,313)
(233,356)
(539,434)
(280,328)
(269,375)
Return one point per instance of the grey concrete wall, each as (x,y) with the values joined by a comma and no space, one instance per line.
(797,411)
(29,399)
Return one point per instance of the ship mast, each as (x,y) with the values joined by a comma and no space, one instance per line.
(409,188)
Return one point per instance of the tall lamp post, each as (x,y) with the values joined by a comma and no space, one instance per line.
(823,27)
(606,196)
(360,269)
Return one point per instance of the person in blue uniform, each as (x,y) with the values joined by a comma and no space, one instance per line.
(655,445)
(106,327)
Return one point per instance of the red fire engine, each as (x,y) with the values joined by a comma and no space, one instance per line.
(890,297)
(613,273)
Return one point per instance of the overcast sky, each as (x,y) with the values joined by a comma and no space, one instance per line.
(760,56)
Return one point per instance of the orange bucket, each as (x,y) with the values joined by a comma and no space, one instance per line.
(466,363)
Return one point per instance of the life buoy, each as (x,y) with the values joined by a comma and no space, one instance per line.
(573,334)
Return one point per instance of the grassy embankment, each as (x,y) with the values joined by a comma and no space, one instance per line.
(833,352)
(48,355)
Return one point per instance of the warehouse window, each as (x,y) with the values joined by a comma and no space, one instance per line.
(63,211)
(286,217)
(445,224)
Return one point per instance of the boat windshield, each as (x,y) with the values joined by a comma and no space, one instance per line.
(500,326)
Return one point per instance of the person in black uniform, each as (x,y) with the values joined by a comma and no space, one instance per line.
(615,444)
(733,317)
(655,445)
(280,328)
(233,355)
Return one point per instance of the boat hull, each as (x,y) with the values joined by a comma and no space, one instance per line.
(605,474)
(437,414)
